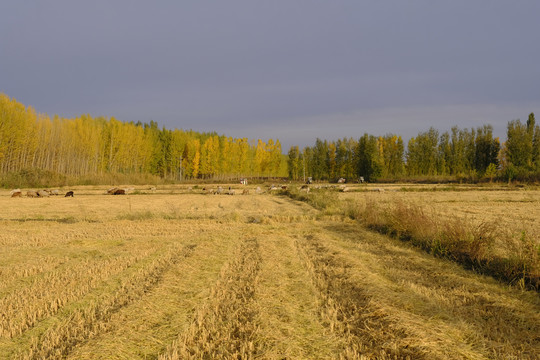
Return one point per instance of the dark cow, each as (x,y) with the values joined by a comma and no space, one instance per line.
(16,194)
(119,192)
(69,193)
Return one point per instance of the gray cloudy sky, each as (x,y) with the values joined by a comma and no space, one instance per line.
(287,69)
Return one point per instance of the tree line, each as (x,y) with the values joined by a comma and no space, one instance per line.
(460,153)
(85,146)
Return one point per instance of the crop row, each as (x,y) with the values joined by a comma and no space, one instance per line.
(347,309)
(89,316)
(226,326)
(43,296)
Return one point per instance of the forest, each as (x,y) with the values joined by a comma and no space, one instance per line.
(459,155)
(84,149)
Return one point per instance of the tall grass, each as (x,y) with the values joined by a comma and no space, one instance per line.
(322,199)
(482,246)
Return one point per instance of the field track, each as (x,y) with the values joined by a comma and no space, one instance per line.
(189,275)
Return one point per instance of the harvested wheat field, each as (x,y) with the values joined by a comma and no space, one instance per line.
(177,273)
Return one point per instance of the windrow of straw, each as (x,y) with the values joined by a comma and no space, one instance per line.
(226,326)
(482,246)
(322,199)
(44,294)
(348,310)
(89,316)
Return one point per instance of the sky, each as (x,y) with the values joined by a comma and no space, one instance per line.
(293,70)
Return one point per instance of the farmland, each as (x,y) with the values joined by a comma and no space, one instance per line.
(177,273)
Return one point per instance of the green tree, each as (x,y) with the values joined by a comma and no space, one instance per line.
(369,163)
(391,151)
(519,142)
(487,148)
(422,153)
(319,163)
(293,161)
(535,130)
(331,161)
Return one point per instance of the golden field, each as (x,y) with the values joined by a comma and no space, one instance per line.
(179,274)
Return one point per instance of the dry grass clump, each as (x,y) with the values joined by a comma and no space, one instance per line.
(521,266)
(226,326)
(483,246)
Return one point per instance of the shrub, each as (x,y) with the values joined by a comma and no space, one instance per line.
(33,178)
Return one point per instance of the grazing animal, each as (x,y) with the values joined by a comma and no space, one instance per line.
(43,193)
(258,190)
(16,194)
(112,190)
(31,193)
(341,181)
(119,192)
(14,191)
(245,192)
(54,192)
(231,191)
(219,190)
(69,193)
